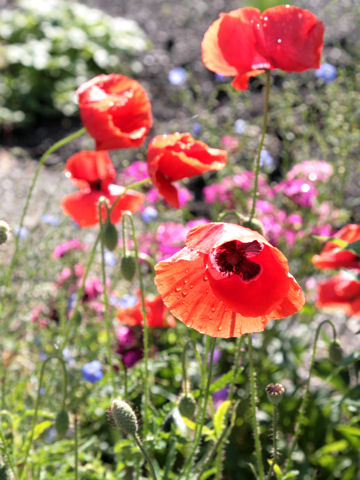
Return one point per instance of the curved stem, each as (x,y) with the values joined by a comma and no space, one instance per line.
(37,403)
(275,424)
(188,465)
(306,395)
(42,160)
(262,139)
(106,297)
(146,455)
(145,325)
(253,411)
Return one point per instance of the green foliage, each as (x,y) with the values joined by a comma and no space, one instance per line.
(50,47)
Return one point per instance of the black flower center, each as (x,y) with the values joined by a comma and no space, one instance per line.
(233,258)
(96,184)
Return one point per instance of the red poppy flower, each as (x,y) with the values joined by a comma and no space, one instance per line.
(157,315)
(340,293)
(333,256)
(245,42)
(115,111)
(227,281)
(176,156)
(94,174)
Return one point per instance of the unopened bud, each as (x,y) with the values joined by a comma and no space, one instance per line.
(110,236)
(335,352)
(123,416)
(187,406)
(4,231)
(275,392)
(62,423)
(254,224)
(128,268)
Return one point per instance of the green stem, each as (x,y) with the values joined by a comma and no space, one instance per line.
(262,139)
(198,432)
(145,325)
(106,298)
(6,452)
(79,296)
(37,403)
(42,160)
(76,446)
(306,395)
(275,424)
(146,455)
(253,411)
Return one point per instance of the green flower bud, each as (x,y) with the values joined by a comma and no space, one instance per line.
(128,268)
(335,352)
(62,423)
(123,417)
(275,392)
(110,236)
(4,231)
(187,406)
(254,224)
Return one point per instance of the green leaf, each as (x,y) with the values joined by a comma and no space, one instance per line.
(210,434)
(222,381)
(354,247)
(220,416)
(333,447)
(208,473)
(292,474)
(40,428)
(352,434)
(337,241)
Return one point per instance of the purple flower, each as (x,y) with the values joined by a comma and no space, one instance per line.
(149,214)
(128,301)
(266,160)
(21,232)
(196,129)
(221,78)
(51,220)
(220,396)
(92,372)
(177,76)
(326,72)
(130,358)
(216,356)
(109,258)
(239,126)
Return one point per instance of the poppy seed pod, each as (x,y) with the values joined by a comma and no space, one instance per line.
(336,353)
(275,392)
(123,417)
(187,405)
(4,231)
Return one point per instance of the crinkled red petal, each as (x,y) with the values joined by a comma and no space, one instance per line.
(89,166)
(290,38)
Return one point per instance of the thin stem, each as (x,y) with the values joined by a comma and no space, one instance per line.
(42,160)
(275,425)
(37,403)
(106,298)
(145,325)
(197,439)
(146,455)
(79,295)
(253,411)
(183,363)
(76,446)
(306,395)
(262,139)
(6,452)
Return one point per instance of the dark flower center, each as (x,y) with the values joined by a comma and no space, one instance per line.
(96,184)
(233,257)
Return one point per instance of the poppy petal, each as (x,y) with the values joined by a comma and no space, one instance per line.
(86,167)
(115,110)
(290,38)
(192,301)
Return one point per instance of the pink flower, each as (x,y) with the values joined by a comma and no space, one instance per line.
(313,170)
(229,143)
(135,172)
(300,191)
(63,248)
